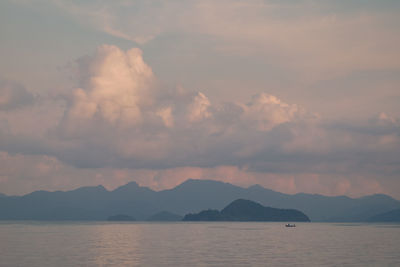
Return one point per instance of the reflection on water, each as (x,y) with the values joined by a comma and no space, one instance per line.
(197,244)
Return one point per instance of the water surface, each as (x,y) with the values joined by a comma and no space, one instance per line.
(198,244)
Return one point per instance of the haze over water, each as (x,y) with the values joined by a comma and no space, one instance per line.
(198,244)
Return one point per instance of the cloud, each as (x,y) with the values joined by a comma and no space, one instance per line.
(117,86)
(122,121)
(198,109)
(324,55)
(268,111)
(14,96)
(174,128)
(261,29)
(122,112)
(166,116)
(121,116)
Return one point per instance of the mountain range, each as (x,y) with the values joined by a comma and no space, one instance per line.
(97,203)
(390,216)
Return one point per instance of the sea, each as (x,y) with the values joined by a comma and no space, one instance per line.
(28,243)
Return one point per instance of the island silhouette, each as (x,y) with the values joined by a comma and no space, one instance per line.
(247,210)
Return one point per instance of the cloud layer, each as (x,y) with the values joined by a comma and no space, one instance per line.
(124,112)
(123,122)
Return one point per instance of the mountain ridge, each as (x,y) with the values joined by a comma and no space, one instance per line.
(97,203)
(390,216)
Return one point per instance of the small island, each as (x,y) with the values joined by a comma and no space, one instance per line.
(246,210)
(121,218)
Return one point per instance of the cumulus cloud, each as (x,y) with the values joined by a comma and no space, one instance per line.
(116,88)
(121,116)
(166,116)
(324,55)
(14,96)
(178,128)
(122,121)
(124,112)
(268,111)
(198,109)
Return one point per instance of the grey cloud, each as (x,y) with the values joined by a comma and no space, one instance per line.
(174,127)
(14,96)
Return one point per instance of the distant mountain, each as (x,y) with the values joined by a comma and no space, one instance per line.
(247,210)
(121,218)
(2,195)
(165,216)
(192,196)
(390,216)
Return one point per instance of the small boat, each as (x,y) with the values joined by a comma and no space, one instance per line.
(290,225)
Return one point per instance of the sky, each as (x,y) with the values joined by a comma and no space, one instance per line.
(297,96)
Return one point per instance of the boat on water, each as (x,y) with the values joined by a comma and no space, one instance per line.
(290,225)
